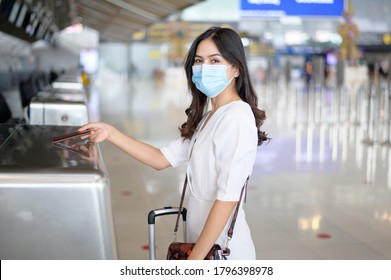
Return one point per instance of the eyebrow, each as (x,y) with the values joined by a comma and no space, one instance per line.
(216,54)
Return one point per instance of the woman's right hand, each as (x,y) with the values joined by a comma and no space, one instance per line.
(140,151)
(99,131)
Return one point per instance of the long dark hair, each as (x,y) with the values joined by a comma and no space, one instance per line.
(231,48)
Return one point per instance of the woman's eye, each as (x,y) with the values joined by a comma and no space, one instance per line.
(197,61)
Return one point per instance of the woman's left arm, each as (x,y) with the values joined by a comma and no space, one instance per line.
(215,223)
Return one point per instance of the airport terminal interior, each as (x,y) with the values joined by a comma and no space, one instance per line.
(320,187)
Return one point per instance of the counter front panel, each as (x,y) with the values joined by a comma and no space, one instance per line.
(54,202)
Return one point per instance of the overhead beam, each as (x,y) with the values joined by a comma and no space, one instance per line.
(134,9)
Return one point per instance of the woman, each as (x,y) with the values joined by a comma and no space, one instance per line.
(219,146)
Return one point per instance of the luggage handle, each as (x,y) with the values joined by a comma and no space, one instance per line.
(165,211)
(151,225)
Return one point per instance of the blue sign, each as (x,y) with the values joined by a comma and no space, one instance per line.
(280,8)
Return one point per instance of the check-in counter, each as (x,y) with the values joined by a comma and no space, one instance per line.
(64,103)
(67,94)
(54,202)
(47,110)
(70,81)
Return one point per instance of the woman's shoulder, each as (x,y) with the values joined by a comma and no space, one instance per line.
(237,112)
(237,109)
(237,119)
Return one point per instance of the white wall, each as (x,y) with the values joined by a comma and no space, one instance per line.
(57,58)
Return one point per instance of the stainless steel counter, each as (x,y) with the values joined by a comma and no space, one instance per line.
(54,111)
(54,203)
(67,94)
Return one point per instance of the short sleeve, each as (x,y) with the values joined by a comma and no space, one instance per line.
(177,151)
(235,146)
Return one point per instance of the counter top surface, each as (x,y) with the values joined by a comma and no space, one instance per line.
(28,147)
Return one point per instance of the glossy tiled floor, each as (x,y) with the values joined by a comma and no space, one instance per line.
(317,192)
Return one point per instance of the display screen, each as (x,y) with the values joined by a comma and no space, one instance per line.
(21,15)
(14,12)
(281,8)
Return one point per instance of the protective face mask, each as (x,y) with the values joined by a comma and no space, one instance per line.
(211,80)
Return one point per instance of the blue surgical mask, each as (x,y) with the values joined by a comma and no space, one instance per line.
(211,80)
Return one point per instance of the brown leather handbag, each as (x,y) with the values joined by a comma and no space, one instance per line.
(181,251)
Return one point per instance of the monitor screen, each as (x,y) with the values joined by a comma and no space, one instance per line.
(21,15)
(14,12)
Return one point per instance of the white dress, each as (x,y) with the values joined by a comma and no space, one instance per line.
(223,157)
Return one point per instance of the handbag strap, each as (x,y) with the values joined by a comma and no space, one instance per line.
(231,228)
(180,206)
(182,196)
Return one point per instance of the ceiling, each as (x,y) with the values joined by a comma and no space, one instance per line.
(117,20)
